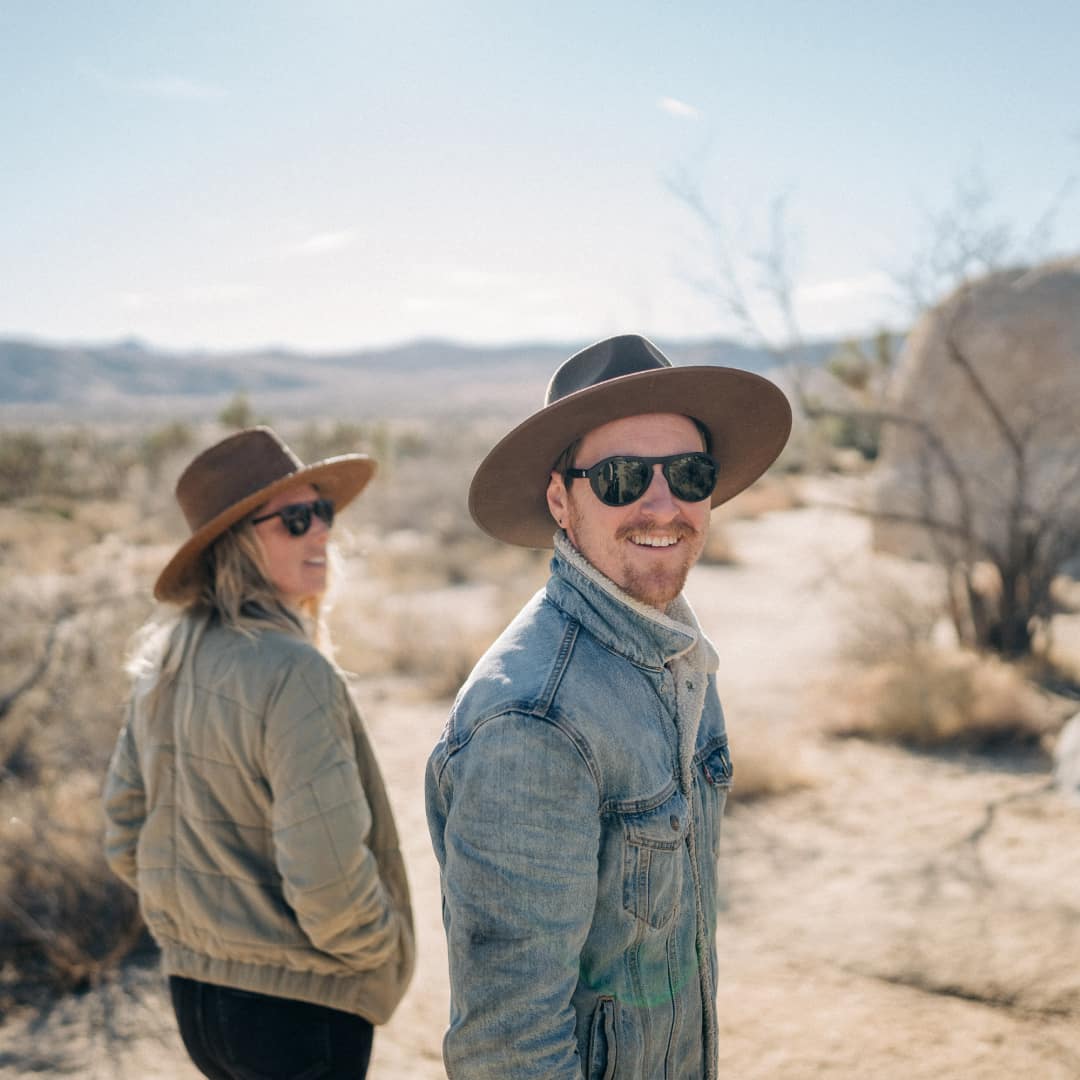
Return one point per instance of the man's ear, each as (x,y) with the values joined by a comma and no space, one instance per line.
(557,500)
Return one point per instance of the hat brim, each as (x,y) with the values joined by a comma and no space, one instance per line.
(339,479)
(748,418)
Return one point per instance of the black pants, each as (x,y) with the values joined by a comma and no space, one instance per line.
(236,1035)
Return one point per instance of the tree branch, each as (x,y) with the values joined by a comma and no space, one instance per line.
(33,677)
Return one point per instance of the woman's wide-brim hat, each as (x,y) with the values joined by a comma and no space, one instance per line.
(233,478)
(747,416)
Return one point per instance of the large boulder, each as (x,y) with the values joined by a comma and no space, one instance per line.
(1067,759)
(1019,330)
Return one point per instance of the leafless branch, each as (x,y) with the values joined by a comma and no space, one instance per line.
(34,676)
(960,358)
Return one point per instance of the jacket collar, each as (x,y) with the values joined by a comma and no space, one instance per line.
(640,633)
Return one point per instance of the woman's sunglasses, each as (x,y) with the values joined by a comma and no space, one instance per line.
(296,517)
(619,481)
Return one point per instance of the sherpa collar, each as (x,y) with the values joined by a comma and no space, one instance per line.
(637,631)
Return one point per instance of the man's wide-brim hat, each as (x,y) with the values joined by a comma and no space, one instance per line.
(232,479)
(748,419)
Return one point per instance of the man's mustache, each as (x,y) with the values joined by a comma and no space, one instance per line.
(680,529)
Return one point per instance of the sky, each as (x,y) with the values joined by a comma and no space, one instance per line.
(330,175)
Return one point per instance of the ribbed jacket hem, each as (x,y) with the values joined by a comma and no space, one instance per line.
(371,994)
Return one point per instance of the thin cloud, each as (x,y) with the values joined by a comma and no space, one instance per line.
(174,88)
(323,243)
(163,87)
(675,107)
(840,289)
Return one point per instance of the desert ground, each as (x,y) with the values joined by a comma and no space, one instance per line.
(889,914)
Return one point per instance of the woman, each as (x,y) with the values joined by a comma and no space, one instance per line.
(243,802)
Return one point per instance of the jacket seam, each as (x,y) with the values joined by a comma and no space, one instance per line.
(530,709)
(558,667)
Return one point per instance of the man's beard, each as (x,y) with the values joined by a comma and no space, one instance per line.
(655,587)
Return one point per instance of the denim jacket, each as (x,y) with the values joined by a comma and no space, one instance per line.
(574,802)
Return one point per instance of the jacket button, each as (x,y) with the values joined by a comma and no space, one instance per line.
(674,822)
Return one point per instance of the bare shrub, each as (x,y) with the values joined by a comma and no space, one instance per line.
(71,464)
(770,764)
(437,655)
(163,443)
(316,441)
(22,464)
(889,615)
(65,919)
(237,413)
(432,627)
(926,698)
(774,491)
(719,549)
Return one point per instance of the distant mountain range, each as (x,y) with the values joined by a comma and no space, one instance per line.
(131,380)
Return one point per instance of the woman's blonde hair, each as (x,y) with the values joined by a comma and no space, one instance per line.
(236,593)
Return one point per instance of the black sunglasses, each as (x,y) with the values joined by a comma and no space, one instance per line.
(296,517)
(619,481)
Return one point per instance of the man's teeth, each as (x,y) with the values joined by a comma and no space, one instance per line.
(655,541)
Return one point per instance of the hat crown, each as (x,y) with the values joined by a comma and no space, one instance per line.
(230,471)
(627,354)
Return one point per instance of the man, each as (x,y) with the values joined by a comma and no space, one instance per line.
(574,799)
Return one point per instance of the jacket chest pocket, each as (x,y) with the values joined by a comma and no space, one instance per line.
(654,859)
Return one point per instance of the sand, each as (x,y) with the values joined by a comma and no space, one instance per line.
(904,916)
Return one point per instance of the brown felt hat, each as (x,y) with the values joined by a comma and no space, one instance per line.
(747,417)
(233,478)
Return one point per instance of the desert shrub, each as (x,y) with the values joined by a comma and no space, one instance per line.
(768,765)
(315,441)
(890,614)
(159,445)
(435,655)
(771,493)
(854,433)
(65,919)
(23,464)
(928,698)
(718,550)
(237,413)
(72,463)
(418,610)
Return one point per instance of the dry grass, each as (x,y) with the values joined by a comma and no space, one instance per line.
(769,765)
(774,491)
(719,549)
(66,920)
(424,594)
(927,698)
(888,615)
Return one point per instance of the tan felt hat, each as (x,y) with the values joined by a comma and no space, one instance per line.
(234,477)
(748,419)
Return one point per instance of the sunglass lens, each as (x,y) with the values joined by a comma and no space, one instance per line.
(324,510)
(619,481)
(297,519)
(692,477)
